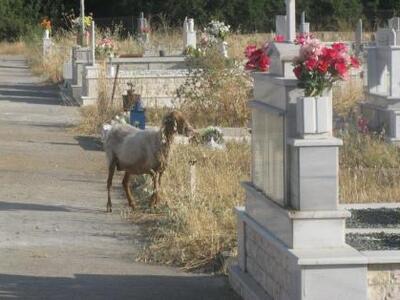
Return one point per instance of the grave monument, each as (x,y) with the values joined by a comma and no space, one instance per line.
(291,238)
(189,34)
(382,91)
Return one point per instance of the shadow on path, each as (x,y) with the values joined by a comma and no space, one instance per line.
(15,206)
(28,93)
(89,143)
(29,206)
(142,287)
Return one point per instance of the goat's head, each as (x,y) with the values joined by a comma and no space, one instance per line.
(175,122)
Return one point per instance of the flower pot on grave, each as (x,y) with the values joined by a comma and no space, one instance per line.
(46,34)
(314,116)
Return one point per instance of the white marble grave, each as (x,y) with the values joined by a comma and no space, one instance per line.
(189,34)
(291,239)
(382,93)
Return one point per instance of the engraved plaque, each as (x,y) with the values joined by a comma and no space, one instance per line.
(268,165)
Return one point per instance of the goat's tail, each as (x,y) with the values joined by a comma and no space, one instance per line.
(105,137)
(105,130)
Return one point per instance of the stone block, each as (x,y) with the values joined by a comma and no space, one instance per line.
(280,25)
(314,174)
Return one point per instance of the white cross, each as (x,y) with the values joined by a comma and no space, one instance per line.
(291,20)
(82,20)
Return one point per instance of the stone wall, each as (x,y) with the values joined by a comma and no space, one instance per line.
(269,266)
(384,282)
(157,87)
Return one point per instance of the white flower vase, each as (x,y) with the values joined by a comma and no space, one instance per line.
(314,116)
(224,48)
(46,34)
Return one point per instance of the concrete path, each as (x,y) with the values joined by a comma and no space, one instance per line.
(56,241)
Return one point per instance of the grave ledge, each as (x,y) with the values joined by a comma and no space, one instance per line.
(147,59)
(382,96)
(382,257)
(278,80)
(381,47)
(327,142)
(295,214)
(345,255)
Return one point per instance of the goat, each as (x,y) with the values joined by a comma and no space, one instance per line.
(139,152)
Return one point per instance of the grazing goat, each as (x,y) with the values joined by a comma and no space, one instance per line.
(138,152)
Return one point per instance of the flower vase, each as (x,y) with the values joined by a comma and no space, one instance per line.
(314,116)
(224,49)
(46,34)
(87,38)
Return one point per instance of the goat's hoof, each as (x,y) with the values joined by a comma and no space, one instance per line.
(108,209)
(154,200)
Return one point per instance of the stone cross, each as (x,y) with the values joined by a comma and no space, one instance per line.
(189,34)
(143,27)
(394,23)
(359,37)
(82,22)
(304,26)
(93,42)
(291,20)
(141,22)
(392,37)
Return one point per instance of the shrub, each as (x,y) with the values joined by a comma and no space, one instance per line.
(216,91)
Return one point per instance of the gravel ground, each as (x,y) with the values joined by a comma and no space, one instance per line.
(374,241)
(374,218)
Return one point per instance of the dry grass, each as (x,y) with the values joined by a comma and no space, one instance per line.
(50,67)
(347,97)
(196,231)
(7,48)
(369,169)
(369,166)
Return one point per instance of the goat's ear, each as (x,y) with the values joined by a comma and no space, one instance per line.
(175,125)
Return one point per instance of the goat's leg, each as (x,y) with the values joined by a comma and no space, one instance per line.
(159,178)
(125,184)
(154,198)
(111,170)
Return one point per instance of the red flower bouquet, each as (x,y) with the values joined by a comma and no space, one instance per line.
(317,67)
(257,58)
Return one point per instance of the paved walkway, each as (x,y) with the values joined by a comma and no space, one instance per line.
(56,241)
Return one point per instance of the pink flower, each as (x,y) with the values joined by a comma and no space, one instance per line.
(317,67)
(297,71)
(257,59)
(303,38)
(340,47)
(323,66)
(248,52)
(341,68)
(311,63)
(263,63)
(279,38)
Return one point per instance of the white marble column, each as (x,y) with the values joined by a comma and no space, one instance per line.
(291,20)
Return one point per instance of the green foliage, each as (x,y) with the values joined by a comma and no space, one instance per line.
(17,17)
(12,24)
